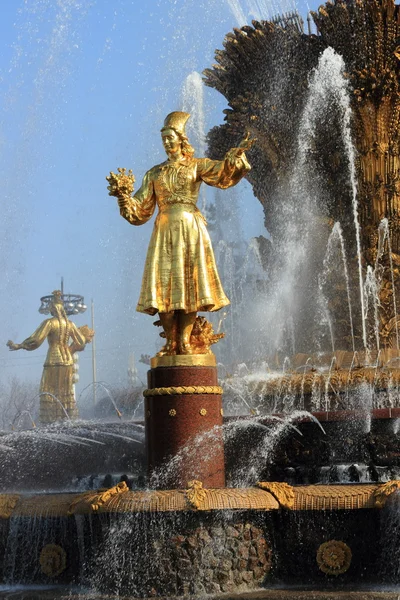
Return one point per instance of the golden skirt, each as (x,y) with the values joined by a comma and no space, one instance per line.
(57,382)
(180,271)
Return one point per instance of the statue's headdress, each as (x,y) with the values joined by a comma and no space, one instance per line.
(177,121)
(57,297)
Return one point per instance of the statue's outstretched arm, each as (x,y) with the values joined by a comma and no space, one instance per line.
(35,340)
(228,172)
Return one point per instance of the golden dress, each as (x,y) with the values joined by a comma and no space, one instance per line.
(58,370)
(180,271)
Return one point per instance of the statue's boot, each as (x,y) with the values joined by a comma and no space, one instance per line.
(186,322)
(169,322)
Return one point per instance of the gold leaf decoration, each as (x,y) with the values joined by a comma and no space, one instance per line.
(334,557)
(195,494)
(53,560)
(7,505)
(283,492)
(383,492)
(94,500)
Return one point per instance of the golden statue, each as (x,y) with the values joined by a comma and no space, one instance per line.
(180,275)
(57,397)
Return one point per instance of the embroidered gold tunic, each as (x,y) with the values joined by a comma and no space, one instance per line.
(180,271)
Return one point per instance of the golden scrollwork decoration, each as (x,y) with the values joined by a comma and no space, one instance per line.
(282,491)
(7,504)
(184,389)
(94,500)
(385,490)
(334,557)
(195,494)
(53,560)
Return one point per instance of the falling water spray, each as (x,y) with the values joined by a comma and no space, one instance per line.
(384,228)
(336,241)
(328,82)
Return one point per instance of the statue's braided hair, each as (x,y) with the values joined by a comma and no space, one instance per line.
(61,315)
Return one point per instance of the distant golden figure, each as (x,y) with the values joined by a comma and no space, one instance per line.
(57,399)
(180,274)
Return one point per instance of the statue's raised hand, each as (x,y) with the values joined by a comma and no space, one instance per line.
(247,142)
(121,183)
(13,346)
(236,153)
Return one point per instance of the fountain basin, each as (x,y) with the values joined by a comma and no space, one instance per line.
(195,541)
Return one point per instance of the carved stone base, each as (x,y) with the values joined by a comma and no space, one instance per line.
(183,412)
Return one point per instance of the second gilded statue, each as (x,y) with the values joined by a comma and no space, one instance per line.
(180,276)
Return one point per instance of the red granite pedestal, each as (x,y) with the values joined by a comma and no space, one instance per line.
(184,415)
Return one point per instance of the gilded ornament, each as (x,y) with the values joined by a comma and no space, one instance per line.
(334,557)
(53,560)
(282,491)
(183,389)
(195,493)
(104,496)
(222,412)
(385,490)
(202,336)
(93,501)
(172,412)
(184,360)
(203,412)
(7,504)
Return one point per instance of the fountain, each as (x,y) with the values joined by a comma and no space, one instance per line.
(308,444)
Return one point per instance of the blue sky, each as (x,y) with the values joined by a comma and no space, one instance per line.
(85,86)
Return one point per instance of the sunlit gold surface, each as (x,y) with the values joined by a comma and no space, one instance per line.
(184,360)
(202,335)
(283,492)
(180,275)
(184,389)
(334,497)
(96,498)
(268,496)
(196,494)
(64,338)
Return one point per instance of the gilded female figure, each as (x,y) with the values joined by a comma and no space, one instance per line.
(57,396)
(180,274)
